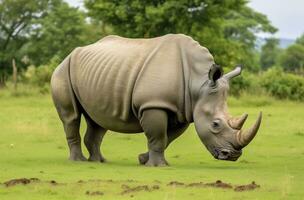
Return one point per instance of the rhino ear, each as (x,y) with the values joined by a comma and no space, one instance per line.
(215,73)
(237,71)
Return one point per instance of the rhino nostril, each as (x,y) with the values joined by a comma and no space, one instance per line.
(225,152)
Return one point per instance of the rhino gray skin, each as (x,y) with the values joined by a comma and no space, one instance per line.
(157,86)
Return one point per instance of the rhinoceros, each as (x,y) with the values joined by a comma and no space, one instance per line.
(157,86)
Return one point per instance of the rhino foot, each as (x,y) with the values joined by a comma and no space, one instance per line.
(97,158)
(156,163)
(156,159)
(143,158)
(77,157)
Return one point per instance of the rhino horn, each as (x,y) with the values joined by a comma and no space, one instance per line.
(237,123)
(245,137)
(237,71)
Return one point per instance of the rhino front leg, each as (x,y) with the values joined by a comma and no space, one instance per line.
(172,134)
(154,123)
(92,140)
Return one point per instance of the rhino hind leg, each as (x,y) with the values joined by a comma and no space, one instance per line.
(92,140)
(154,123)
(68,111)
(172,134)
(74,140)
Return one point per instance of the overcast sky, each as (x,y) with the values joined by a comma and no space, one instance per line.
(286,15)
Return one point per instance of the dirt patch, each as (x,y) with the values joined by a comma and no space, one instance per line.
(155,187)
(53,182)
(219,184)
(242,188)
(127,189)
(20,181)
(175,183)
(199,184)
(98,180)
(94,193)
(216,184)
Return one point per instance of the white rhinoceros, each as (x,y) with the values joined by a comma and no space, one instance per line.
(157,86)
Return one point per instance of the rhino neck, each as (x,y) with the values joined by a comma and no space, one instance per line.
(196,65)
(194,80)
(195,75)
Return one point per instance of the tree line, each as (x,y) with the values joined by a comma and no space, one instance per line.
(290,59)
(36,33)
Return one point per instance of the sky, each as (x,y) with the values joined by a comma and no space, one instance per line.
(286,15)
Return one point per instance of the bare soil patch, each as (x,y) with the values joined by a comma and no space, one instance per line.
(94,193)
(242,188)
(127,189)
(20,181)
(53,182)
(199,184)
(175,183)
(218,184)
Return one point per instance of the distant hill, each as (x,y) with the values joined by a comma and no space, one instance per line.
(284,42)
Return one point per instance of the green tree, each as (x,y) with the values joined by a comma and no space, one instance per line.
(293,58)
(234,34)
(300,40)
(226,28)
(270,53)
(61,29)
(16,17)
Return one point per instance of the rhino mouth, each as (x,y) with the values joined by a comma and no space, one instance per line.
(226,154)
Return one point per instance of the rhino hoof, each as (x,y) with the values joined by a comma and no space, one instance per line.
(96,159)
(161,163)
(143,158)
(77,158)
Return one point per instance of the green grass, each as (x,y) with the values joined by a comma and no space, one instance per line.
(33,144)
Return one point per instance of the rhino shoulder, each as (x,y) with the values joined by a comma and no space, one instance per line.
(108,37)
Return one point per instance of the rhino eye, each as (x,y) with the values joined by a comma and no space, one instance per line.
(216,126)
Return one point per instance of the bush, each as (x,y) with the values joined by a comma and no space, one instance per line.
(245,83)
(283,85)
(40,76)
(274,82)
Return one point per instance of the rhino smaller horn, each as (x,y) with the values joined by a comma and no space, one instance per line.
(237,123)
(244,138)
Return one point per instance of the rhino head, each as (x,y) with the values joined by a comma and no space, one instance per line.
(221,134)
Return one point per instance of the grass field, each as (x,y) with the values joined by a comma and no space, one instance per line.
(32,145)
